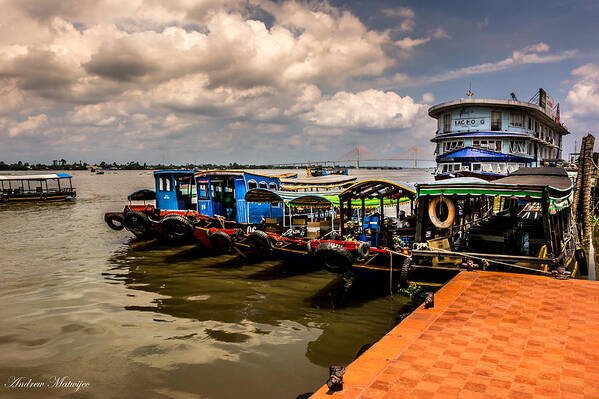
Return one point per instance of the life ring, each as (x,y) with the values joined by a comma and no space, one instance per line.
(432,212)
(334,258)
(116,221)
(176,228)
(138,223)
(220,241)
(363,250)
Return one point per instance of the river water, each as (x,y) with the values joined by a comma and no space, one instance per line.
(143,320)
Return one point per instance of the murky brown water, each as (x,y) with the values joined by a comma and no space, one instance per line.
(141,320)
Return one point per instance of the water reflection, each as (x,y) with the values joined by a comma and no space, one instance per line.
(241,303)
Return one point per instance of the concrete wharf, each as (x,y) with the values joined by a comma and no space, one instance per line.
(489,335)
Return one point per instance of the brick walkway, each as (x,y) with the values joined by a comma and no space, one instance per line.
(490,335)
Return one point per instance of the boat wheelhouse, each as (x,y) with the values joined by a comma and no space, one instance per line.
(489,138)
(26,188)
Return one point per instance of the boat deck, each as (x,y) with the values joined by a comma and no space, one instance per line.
(489,335)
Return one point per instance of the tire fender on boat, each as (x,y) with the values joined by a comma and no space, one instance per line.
(177,228)
(363,249)
(334,258)
(138,223)
(116,221)
(260,242)
(403,274)
(220,240)
(44,196)
(432,212)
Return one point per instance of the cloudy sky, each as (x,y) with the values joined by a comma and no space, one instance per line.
(272,81)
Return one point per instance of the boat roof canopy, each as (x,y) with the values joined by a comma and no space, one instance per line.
(36,177)
(290,198)
(175,172)
(550,183)
(142,195)
(378,189)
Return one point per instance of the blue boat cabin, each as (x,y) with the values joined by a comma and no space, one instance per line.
(175,189)
(222,193)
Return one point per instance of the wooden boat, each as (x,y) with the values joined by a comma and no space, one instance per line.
(319,239)
(522,222)
(42,188)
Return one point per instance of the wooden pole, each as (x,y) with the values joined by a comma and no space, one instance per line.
(581,208)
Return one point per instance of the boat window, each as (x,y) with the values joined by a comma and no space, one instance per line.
(529,123)
(498,145)
(444,168)
(502,167)
(165,183)
(518,147)
(476,167)
(263,184)
(273,186)
(452,145)
(495,120)
(447,122)
(516,119)
(487,167)
(203,191)
(252,184)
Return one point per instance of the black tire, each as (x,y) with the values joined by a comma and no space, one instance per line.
(581,258)
(259,243)
(403,274)
(176,228)
(44,197)
(116,221)
(221,241)
(138,223)
(334,258)
(363,250)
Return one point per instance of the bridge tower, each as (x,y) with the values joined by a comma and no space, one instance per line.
(357,157)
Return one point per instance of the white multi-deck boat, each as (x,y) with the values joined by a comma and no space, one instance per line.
(489,138)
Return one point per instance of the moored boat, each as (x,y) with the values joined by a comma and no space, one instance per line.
(522,222)
(42,188)
(489,138)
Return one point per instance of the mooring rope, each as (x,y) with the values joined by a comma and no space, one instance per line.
(488,261)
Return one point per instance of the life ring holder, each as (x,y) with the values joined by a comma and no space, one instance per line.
(432,212)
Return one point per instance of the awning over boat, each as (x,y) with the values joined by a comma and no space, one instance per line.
(36,177)
(375,188)
(175,172)
(553,184)
(314,200)
(470,154)
(317,182)
(142,195)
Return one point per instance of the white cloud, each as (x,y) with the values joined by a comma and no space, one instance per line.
(370,109)
(428,98)
(406,16)
(32,123)
(583,97)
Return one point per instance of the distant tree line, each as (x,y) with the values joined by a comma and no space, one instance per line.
(62,164)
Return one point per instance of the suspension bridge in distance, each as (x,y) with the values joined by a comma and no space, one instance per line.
(361,154)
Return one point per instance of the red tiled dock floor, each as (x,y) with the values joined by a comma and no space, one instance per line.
(490,335)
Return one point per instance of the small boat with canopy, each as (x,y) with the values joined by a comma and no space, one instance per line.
(53,187)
